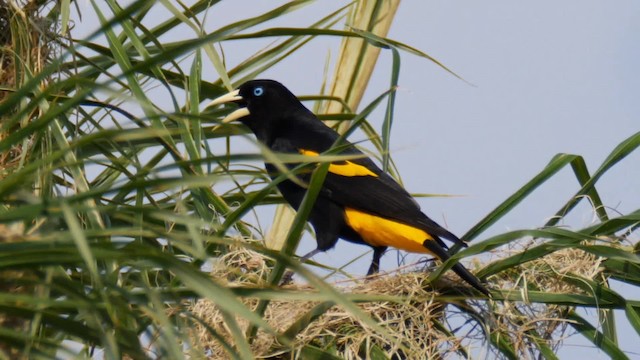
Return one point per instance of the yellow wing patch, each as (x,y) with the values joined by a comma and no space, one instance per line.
(378,231)
(346,168)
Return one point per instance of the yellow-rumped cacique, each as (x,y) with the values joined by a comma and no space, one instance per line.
(358,202)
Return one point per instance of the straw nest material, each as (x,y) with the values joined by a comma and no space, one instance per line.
(420,326)
(411,321)
(526,323)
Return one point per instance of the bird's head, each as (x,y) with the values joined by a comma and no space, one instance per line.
(263,104)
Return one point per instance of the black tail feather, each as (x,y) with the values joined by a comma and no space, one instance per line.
(465,274)
(470,278)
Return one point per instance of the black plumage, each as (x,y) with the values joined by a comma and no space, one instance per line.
(358,201)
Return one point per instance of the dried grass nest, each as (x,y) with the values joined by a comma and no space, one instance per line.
(415,325)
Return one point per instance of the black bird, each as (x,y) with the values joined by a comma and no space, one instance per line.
(358,202)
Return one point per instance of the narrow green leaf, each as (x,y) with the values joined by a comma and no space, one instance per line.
(502,344)
(65,10)
(596,337)
(315,353)
(633,315)
(306,319)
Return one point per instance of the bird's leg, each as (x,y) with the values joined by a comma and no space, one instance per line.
(375,262)
(309,255)
(288,276)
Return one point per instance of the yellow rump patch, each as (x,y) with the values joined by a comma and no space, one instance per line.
(378,231)
(348,168)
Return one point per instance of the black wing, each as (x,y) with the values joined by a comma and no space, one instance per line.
(380,195)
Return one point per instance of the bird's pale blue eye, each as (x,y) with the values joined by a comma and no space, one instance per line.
(258,91)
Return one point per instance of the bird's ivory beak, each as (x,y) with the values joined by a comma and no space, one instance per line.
(231,97)
(240,113)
